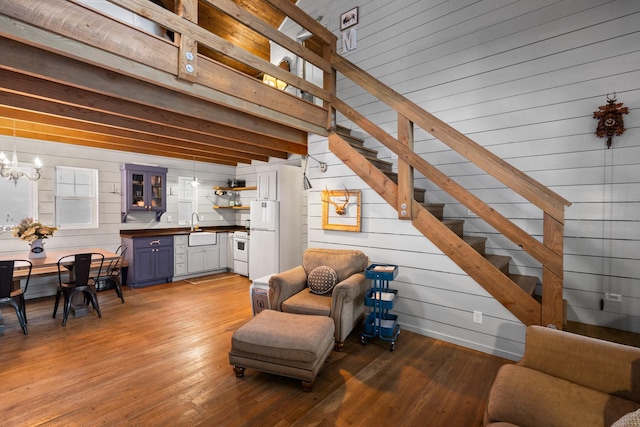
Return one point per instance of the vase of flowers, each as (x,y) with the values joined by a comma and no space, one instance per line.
(34,232)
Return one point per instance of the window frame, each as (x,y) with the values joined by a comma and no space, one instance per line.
(31,199)
(93,198)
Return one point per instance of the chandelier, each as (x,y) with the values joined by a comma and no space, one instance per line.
(10,169)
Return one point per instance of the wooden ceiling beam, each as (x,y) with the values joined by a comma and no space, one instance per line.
(60,100)
(90,80)
(44,135)
(215,82)
(49,66)
(126,138)
(102,140)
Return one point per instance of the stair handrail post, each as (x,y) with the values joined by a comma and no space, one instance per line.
(405,170)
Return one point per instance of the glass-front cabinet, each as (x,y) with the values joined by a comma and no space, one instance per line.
(144,188)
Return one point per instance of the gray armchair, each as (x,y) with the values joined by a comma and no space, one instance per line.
(289,292)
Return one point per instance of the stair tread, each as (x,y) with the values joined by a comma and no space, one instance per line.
(346,134)
(370,152)
(342,129)
(527,283)
(501,262)
(377,160)
(474,239)
(476,242)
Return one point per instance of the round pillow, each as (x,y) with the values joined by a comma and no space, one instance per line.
(322,279)
(632,419)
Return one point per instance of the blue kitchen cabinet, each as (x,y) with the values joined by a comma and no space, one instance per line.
(150,261)
(144,189)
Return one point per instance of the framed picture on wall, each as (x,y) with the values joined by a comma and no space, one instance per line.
(341,210)
(349,19)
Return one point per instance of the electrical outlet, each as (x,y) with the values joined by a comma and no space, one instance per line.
(201,217)
(477,317)
(168,218)
(613,297)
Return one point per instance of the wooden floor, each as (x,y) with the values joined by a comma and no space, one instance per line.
(161,359)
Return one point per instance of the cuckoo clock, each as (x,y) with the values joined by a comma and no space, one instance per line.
(610,119)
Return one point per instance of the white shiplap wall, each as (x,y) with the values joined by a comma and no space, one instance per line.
(521,78)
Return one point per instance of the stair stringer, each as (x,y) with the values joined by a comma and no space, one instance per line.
(501,287)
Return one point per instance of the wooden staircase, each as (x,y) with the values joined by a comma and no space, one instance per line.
(501,262)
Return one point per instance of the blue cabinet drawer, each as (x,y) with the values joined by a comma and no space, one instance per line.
(145,242)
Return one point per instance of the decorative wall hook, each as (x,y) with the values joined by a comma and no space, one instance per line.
(609,117)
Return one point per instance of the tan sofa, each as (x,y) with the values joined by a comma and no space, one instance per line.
(288,290)
(565,380)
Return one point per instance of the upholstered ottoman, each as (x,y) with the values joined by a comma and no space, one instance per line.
(292,345)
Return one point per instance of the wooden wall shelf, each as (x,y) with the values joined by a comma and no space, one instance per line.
(235,188)
(230,207)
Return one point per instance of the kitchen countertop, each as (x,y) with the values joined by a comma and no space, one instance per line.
(151,232)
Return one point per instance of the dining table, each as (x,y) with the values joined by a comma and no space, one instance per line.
(48,266)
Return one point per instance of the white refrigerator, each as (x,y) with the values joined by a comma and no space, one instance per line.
(264,250)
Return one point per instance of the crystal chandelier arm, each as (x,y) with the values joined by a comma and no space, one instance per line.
(10,170)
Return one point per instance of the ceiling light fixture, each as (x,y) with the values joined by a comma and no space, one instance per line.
(11,169)
(194,182)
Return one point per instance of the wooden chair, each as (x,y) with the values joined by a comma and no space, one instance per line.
(11,296)
(79,267)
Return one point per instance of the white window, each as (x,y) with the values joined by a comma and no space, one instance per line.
(76,197)
(187,200)
(17,200)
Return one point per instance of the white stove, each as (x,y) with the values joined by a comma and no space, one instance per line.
(241,252)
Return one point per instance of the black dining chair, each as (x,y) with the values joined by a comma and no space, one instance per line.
(81,282)
(11,296)
(112,273)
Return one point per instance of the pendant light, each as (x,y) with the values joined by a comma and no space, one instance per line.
(194,182)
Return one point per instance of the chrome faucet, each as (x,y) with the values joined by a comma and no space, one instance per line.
(194,226)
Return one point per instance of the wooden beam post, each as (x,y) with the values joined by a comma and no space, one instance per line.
(329,84)
(188,52)
(405,171)
(552,283)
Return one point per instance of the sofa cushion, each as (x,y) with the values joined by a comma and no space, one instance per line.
(306,302)
(524,396)
(322,279)
(584,361)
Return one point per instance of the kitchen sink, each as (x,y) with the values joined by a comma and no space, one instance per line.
(202,238)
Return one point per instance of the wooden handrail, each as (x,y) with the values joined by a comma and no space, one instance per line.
(520,237)
(549,253)
(513,178)
(260,27)
(306,21)
(516,300)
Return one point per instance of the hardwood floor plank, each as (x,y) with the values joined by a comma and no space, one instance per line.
(161,358)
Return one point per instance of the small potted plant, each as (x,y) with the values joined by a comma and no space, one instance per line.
(34,232)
